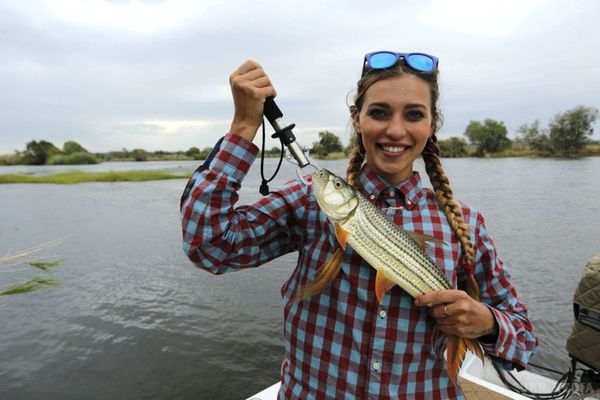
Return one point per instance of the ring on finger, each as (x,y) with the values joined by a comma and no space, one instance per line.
(446,311)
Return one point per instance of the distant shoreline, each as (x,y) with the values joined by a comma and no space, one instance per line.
(67,178)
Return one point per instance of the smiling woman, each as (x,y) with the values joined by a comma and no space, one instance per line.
(345,336)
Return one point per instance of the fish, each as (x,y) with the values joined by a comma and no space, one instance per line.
(398,256)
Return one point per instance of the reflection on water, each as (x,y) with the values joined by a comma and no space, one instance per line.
(132,317)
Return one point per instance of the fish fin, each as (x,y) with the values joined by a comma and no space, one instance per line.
(325,275)
(422,238)
(457,350)
(382,285)
(342,236)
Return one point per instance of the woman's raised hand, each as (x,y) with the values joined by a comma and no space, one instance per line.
(250,86)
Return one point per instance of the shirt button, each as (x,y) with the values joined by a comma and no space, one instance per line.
(372,197)
(382,314)
(392,194)
(409,203)
(376,365)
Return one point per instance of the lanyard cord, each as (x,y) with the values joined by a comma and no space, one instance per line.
(264,187)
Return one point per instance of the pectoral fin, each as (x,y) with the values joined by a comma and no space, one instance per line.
(422,238)
(382,285)
(342,236)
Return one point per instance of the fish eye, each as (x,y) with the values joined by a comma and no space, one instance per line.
(338,184)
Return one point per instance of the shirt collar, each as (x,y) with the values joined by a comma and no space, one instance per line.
(374,186)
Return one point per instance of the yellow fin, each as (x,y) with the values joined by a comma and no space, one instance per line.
(325,275)
(457,350)
(382,285)
(342,236)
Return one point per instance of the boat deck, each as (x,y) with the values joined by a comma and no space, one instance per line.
(473,391)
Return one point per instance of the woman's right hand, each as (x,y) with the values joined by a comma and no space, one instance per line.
(250,86)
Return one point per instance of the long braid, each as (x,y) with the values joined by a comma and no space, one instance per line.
(452,209)
(357,157)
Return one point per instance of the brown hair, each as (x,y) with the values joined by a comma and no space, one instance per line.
(433,166)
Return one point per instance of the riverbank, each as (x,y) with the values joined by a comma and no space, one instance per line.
(82,177)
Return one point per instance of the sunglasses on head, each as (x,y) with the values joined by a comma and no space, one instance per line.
(386,59)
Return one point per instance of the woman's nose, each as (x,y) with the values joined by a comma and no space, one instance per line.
(396,127)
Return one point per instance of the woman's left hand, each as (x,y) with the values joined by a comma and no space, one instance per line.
(459,314)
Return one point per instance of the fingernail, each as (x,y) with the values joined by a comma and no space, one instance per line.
(417,302)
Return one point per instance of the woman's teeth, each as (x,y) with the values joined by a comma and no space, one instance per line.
(394,149)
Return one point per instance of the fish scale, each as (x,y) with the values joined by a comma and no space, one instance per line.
(383,245)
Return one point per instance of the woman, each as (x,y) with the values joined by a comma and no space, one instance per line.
(341,342)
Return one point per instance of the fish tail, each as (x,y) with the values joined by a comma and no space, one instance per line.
(457,350)
(325,275)
(457,346)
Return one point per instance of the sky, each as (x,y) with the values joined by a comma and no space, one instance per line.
(113,74)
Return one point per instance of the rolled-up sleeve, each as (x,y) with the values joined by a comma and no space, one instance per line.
(515,341)
(220,238)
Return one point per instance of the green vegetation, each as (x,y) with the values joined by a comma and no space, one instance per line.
(328,143)
(567,135)
(17,261)
(453,147)
(77,158)
(487,137)
(81,177)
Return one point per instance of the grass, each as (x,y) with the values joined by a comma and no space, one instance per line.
(31,285)
(18,258)
(82,177)
(45,266)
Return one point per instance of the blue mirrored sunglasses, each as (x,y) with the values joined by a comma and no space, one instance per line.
(386,59)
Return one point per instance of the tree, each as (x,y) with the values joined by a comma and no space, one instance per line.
(489,137)
(37,153)
(453,147)
(534,137)
(571,130)
(328,143)
(139,154)
(71,147)
(192,152)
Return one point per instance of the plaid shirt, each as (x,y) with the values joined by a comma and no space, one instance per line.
(341,343)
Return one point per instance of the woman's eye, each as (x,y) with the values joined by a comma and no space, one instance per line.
(377,113)
(415,115)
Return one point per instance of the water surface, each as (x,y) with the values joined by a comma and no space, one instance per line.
(133,319)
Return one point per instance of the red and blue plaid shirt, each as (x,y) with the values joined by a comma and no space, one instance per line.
(342,344)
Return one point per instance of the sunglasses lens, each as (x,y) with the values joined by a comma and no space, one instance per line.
(420,62)
(382,60)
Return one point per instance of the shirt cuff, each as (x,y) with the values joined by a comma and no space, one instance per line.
(504,337)
(234,156)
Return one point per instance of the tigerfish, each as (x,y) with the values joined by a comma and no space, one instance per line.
(397,256)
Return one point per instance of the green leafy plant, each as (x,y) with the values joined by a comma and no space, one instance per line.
(22,259)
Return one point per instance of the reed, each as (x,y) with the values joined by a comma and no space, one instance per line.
(66,178)
(35,283)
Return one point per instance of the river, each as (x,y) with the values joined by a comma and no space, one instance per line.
(132,318)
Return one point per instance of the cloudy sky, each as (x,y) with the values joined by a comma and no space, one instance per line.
(154,74)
